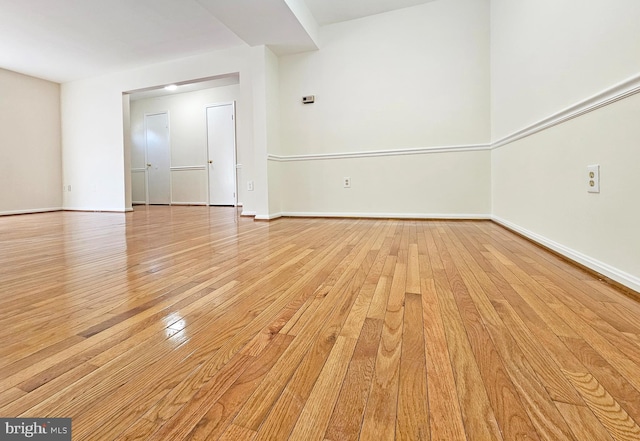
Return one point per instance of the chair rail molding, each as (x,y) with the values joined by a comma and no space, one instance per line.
(377,153)
(617,92)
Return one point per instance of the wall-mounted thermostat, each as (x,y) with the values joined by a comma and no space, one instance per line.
(309,99)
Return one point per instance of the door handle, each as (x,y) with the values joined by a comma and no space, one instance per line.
(148,165)
(210,161)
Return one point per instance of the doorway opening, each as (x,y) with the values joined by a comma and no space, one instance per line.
(199,132)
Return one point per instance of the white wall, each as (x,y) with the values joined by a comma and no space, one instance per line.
(440,185)
(126,135)
(274,143)
(539,181)
(188,132)
(92,126)
(412,78)
(262,70)
(547,55)
(30,144)
(415,77)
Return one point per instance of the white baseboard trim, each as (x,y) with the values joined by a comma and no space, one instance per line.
(248,213)
(30,211)
(619,276)
(268,216)
(190,203)
(441,216)
(188,168)
(94,210)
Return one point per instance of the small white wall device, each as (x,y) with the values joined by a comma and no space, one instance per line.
(593,182)
(309,99)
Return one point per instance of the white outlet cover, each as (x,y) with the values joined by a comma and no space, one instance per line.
(346,182)
(593,178)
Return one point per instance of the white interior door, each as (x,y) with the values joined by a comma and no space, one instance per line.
(221,140)
(158,158)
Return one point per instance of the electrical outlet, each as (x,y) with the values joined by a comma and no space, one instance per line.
(69,187)
(593,178)
(249,185)
(346,182)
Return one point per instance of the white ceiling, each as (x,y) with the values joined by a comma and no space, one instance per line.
(65,40)
(258,22)
(334,11)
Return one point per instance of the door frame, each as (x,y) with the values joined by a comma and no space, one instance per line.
(146,155)
(235,148)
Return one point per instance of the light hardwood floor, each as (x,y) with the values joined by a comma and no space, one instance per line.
(191,323)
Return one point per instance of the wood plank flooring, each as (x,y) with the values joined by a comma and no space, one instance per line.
(192,323)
